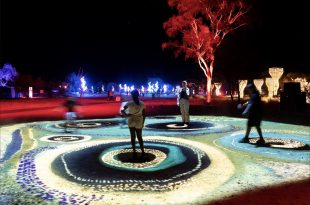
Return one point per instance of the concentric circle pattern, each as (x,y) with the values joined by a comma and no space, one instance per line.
(65,138)
(87,124)
(180,126)
(281,143)
(195,127)
(173,164)
(286,146)
(183,164)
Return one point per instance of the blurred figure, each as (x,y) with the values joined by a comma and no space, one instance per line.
(136,118)
(71,114)
(253,111)
(183,102)
(110,95)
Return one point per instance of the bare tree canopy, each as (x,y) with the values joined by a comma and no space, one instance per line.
(199,27)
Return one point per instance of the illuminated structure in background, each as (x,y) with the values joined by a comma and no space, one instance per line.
(269,83)
(30,94)
(275,74)
(258,84)
(304,85)
(242,84)
(217,89)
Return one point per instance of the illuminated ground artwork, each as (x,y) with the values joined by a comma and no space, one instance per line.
(92,163)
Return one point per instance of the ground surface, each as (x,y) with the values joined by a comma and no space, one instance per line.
(200,164)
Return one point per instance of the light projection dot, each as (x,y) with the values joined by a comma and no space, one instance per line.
(192,126)
(65,138)
(177,126)
(87,124)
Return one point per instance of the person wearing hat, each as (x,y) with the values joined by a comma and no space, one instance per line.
(253,111)
(183,102)
(136,118)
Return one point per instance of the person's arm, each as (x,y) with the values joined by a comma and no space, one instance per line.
(143,115)
(247,109)
(123,110)
(249,104)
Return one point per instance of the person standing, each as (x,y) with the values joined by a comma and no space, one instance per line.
(183,102)
(136,118)
(253,111)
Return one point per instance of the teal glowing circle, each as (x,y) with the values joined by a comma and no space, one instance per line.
(173,158)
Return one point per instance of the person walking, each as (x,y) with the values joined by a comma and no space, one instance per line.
(253,111)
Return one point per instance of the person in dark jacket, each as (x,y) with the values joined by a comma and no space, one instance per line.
(254,113)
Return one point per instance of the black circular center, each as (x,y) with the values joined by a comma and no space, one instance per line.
(134,158)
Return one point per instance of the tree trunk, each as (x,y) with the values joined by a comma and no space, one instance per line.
(209,92)
(207,70)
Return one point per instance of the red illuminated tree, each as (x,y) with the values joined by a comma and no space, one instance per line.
(200,26)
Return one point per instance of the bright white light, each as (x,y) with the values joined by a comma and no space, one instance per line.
(242,85)
(270,86)
(275,74)
(165,88)
(30,92)
(83,84)
(156,86)
(217,89)
(150,87)
(258,84)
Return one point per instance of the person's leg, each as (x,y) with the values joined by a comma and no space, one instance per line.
(261,139)
(133,139)
(182,109)
(139,136)
(186,109)
(246,136)
(66,122)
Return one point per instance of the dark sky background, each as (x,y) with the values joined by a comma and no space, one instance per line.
(121,40)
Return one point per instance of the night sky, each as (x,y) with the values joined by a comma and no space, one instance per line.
(121,40)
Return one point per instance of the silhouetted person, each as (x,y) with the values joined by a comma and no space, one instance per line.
(70,114)
(136,118)
(110,95)
(183,102)
(253,111)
